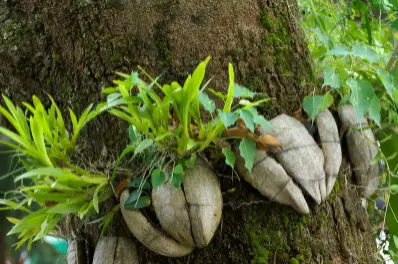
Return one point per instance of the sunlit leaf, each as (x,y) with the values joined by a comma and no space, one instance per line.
(206,102)
(364,52)
(312,105)
(387,80)
(143,145)
(338,51)
(243,92)
(331,78)
(228,119)
(362,93)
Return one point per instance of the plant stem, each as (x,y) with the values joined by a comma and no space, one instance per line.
(392,59)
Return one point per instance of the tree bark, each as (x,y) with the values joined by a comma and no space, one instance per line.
(71,49)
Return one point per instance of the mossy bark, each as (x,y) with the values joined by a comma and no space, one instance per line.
(71,49)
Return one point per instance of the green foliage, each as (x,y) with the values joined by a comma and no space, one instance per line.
(51,182)
(352,43)
(312,105)
(353,49)
(166,121)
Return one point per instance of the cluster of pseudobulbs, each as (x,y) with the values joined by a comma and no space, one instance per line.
(190,215)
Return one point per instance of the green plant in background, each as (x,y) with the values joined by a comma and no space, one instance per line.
(167,125)
(352,43)
(51,183)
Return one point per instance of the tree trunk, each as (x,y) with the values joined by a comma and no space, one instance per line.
(70,49)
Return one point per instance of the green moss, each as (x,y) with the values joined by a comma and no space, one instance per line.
(300,257)
(294,261)
(304,219)
(266,21)
(53,57)
(286,221)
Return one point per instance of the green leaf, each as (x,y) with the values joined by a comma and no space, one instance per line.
(260,120)
(206,102)
(177,180)
(364,52)
(66,208)
(231,88)
(387,80)
(190,163)
(393,187)
(312,105)
(14,205)
(339,51)
(374,109)
(133,133)
(133,202)
(179,169)
(143,145)
(247,118)
(218,94)
(133,197)
(73,119)
(243,92)
(247,149)
(31,221)
(95,197)
(228,119)
(158,178)
(395,241)
(362,93)
(247,104)
(137,182)
(331,78)
(229,157)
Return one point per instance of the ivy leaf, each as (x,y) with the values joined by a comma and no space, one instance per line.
(229,157)
(339,51)
(247,149)
(228,119)
(374,109)
(312,105)
(331,78)
(206,102)
(243,92)
(363,52)
(387,80)
(247,118)
(158,178)
(362,93)
(143,145)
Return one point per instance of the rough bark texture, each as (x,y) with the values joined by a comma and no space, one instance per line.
(70,49)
